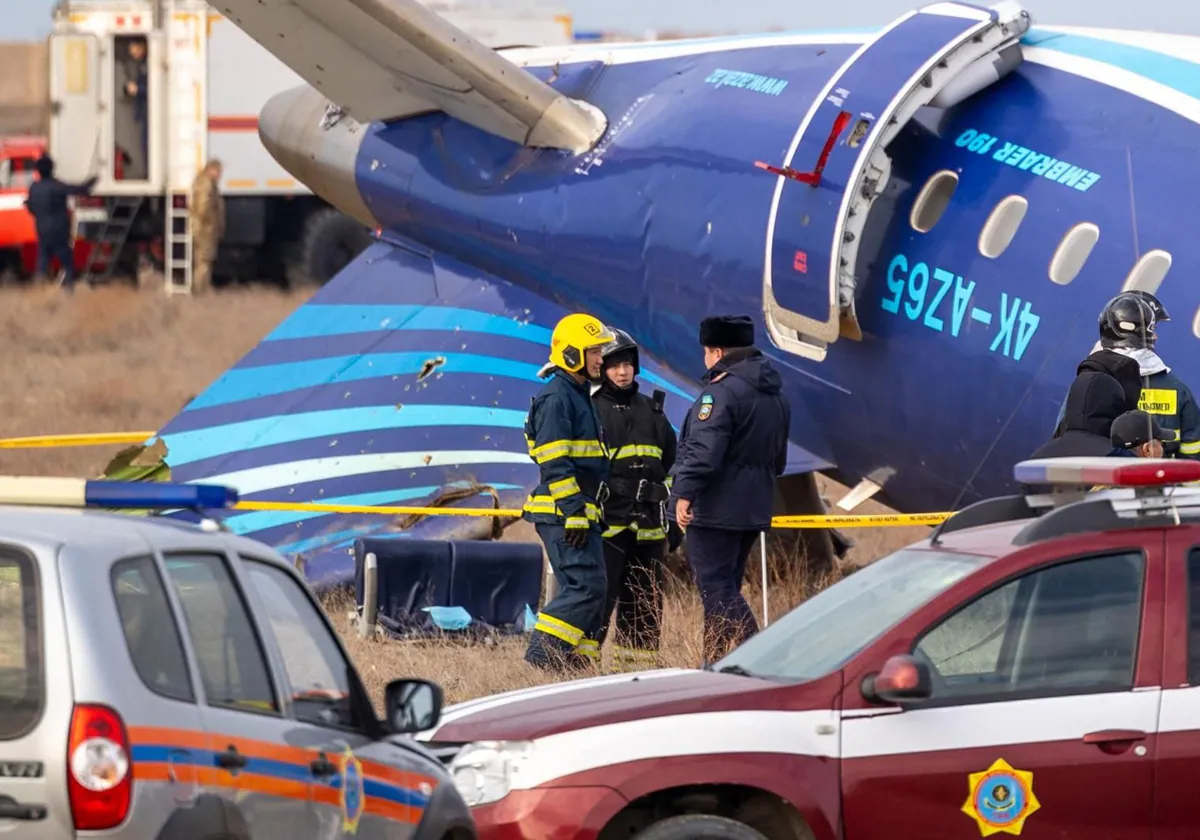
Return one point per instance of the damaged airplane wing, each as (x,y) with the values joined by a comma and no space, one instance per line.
(381,60)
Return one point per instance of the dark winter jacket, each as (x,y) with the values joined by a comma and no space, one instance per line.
(1173,405)
(641,447)
(1106,385)
(733,444)
(47,202)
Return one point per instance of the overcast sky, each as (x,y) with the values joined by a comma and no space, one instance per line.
(24,19)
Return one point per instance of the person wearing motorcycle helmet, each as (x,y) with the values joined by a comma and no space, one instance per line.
(1128,326)
(567,443)
(641,444)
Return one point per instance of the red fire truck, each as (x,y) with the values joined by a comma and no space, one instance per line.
(18,240)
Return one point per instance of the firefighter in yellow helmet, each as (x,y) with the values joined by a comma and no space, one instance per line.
(566,442)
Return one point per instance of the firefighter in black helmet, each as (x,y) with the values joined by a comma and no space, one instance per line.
(641,445)
(1128,325)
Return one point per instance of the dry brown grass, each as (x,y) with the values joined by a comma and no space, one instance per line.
(466,671)
(120,360)
(115,359)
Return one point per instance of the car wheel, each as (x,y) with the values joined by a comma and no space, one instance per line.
(700,827)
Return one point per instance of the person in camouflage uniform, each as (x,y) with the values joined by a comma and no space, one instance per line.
(207,211)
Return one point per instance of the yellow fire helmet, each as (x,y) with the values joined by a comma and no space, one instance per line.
(572,336)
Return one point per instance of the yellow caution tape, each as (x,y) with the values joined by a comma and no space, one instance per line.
(101,439)
(875,520)
(886,520)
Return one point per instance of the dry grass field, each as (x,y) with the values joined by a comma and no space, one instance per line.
(120,360)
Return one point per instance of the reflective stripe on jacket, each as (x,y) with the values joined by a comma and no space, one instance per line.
(565,440)
(641,447)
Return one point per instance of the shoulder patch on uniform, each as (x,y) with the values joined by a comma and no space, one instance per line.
(706,407)
(706,399)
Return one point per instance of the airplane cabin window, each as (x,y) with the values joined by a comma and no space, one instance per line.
(1147,275)
(1073,251)
(932,202)
(1001,226)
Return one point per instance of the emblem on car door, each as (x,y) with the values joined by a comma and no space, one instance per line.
(353,795)
(1000,799)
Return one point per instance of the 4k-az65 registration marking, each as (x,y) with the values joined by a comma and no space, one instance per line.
(924,303)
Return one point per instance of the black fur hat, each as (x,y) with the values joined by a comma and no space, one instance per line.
(727,332)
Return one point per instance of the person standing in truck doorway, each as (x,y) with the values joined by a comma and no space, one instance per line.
(206,212)
(131,114)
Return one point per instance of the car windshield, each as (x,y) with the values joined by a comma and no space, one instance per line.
(823,633)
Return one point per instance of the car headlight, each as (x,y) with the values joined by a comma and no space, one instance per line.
(483,771)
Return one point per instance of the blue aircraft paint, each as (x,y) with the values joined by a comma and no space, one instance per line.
(1027,160)
(744,41)
(1170,71)
(239,437)
(432,342)
(252,382)
(747,81)
(1035,102)
(1175,73)
(670,228)
(341,319)
(388,393)
(802,255)
(941,300)
(378,443)
(247,383)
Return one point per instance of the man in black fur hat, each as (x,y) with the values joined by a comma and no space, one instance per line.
(732,447)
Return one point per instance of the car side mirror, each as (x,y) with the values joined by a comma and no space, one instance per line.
(903,677)
(412,705)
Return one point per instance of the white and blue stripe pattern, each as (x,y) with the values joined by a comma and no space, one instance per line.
(1161,68)
(385,389)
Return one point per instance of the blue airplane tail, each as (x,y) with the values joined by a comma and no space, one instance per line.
(404,381)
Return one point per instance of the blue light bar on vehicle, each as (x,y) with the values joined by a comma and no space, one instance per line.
(1108,471)
(143,495)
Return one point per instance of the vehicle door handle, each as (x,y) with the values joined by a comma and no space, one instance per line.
(1109,736)
(322,766)
(231,759)
(13,810)
(1115,741)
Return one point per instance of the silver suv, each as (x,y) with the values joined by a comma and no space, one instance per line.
(160,679)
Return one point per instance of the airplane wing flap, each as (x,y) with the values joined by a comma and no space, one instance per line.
(390,59)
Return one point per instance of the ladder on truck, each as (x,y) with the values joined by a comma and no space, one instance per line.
(178,247)
(114,233)
(186,25)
